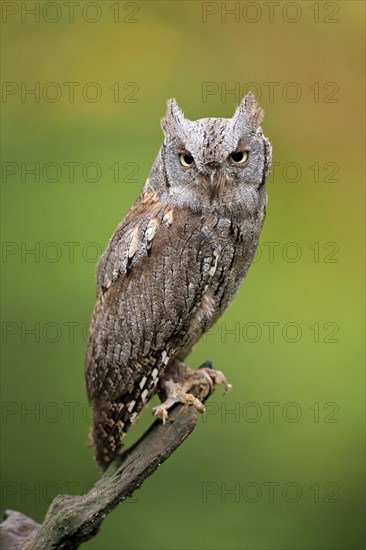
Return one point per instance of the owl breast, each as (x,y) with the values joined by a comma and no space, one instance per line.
(235,247)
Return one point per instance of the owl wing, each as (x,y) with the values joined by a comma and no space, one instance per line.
(150,281)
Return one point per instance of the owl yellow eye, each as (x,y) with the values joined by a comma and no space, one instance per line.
(186,159)
(239,157)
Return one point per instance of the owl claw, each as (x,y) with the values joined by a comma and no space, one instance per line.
(218,377)
(178,382)
(161,412)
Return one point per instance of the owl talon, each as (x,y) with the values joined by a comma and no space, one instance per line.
(179,382)
(218,377)
(161,412)
(190,398)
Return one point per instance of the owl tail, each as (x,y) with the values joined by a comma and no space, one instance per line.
(107,432)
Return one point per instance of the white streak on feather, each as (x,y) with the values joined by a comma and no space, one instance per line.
(168,217)
(134,243)
(214,267)
(151,229)
(131,405)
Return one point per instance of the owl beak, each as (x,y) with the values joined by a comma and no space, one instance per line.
(214,179)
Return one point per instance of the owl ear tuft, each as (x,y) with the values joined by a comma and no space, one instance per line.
(173,118)
(248,114)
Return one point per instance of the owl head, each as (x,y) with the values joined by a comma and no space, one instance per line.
(213,163)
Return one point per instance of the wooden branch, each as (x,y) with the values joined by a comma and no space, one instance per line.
(71,520)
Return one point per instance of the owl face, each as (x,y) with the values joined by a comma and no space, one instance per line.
(215,163)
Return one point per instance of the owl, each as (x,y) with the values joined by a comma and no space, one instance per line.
(171,268)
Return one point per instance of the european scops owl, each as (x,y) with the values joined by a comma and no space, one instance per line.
(172,267)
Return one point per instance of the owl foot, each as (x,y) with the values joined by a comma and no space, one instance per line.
(183,385)
(216,375)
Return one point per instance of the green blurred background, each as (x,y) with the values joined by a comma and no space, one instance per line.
(284,470)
